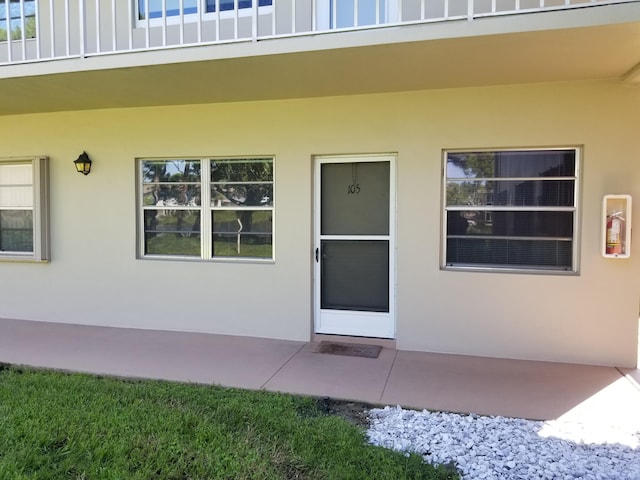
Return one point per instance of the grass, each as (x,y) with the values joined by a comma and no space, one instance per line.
(72,426)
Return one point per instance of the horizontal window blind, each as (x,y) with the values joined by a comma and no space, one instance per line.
(511,209)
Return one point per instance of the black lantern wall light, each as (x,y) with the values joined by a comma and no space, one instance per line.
(83,164)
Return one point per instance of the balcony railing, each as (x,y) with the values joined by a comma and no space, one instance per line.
(42,30)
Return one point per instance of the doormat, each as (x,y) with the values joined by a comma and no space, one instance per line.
(348,349)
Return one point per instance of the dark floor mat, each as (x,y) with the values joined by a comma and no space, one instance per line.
(348,349)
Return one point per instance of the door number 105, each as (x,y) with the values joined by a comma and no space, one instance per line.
(353,189)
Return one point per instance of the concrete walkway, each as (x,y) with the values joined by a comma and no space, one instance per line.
(534,390)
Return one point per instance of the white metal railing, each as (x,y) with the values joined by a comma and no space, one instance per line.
(38,30)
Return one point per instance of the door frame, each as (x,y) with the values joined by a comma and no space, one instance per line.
(355,323)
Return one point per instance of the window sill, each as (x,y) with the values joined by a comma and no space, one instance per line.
(22,259)
(510,270)
(178,258)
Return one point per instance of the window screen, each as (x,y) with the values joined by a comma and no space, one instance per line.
(511,209)
(207,207)
(24,223)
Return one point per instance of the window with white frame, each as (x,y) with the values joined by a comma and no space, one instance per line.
(24,225)
(17,19)
(206,208)
(511,209)
(172,8)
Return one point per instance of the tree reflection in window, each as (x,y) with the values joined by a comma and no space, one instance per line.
(242,207)
(21,16)
(230,198)
(171,200)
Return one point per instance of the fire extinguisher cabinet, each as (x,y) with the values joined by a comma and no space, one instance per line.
(616,226)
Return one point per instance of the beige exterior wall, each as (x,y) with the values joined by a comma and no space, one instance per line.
(94,277)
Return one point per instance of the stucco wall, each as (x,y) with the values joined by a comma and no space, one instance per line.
(94,277)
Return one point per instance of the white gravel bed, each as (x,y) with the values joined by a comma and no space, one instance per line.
(499,448)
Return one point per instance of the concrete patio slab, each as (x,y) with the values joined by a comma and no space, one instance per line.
(516,388)
(513,388)
(633,375)
(189,357)
(344,377)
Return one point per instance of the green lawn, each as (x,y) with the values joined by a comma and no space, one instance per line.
(71,426)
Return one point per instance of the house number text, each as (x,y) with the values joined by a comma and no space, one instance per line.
(353,189)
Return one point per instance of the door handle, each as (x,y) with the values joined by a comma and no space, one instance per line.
(317,254)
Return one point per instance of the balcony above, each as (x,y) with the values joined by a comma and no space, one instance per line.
(84,54)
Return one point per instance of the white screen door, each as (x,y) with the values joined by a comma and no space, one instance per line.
(354,246)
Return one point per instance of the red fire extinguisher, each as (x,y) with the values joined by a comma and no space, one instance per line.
(615,229)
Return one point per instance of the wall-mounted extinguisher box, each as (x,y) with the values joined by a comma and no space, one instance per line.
(616,226)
